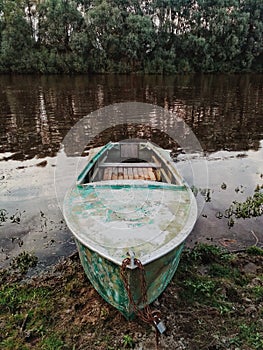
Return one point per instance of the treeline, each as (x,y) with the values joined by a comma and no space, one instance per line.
(123,36)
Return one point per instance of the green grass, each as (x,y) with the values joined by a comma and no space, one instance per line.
(127,341)
(52,342)
(14,297)
(213,277)
(23,262)
(211,299)
(253,250)
(204,253)
(248,333)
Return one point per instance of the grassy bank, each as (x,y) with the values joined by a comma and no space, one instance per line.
(215,301)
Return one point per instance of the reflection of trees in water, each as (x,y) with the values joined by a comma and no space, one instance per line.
(217,129)
(225,112)
(133,131)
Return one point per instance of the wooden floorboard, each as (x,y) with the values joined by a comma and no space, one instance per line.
(131,174)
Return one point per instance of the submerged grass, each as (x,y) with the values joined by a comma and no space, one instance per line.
(251,207)
(215,301)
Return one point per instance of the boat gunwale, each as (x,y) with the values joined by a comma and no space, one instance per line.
(116,184)
(92,161)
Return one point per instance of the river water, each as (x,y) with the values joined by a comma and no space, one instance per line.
(225,112)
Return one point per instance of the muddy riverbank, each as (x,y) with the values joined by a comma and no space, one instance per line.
(214,302)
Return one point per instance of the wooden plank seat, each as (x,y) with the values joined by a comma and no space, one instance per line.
(135,173)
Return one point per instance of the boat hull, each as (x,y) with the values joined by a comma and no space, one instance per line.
(106,278)
(130,201)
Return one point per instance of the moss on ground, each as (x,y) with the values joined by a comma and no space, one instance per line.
(215,301)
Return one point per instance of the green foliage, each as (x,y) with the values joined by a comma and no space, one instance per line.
(257,292)
(14,297)
(254,250)
(218,270)
(67,36)
(251,207)
(249,334)
(52,343)
(23,262)
(201,287)
(207,274)
(204,253)
(127,341)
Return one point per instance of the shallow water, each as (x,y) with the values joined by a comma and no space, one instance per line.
(224,111)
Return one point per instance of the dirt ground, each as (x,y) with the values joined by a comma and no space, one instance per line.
(215,301)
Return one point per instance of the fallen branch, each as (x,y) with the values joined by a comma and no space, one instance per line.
(256,238)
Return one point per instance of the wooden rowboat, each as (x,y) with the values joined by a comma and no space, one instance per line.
(130,210)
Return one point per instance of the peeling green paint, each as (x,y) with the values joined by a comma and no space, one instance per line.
(149,221)
(106,278)
(122,185)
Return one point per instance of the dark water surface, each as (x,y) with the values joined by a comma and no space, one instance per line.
(224,111)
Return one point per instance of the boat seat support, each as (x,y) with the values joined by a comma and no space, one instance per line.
(129,165)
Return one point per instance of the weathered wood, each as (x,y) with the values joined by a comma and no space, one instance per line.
(129,150)
(157,174)
(130,165)
(135,174)
(106,174)
(120,174)
(125,173)
(152,175)
(114,175)
(146,174)
(140,173)
(130,173)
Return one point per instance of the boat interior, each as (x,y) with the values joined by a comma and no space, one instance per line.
(130,161)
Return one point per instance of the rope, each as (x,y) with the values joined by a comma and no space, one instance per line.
(146,314)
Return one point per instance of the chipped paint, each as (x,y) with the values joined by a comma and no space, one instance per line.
(156,219)
(106,278)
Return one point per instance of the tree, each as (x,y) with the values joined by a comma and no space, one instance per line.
(253,45)
(161,36)
(138,40)
(104,23)
(57,21)
(16,38)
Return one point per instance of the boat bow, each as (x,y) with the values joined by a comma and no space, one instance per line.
(146,218)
